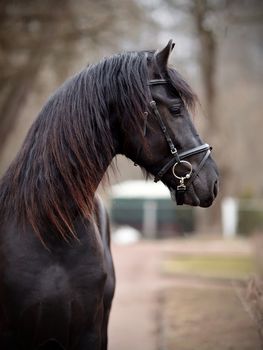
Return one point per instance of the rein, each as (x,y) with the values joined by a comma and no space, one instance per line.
(178,158)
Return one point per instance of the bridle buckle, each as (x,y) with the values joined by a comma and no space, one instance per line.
(182,186)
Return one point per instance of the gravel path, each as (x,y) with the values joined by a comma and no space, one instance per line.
(134,322)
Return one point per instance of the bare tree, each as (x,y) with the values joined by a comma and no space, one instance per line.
(33,30)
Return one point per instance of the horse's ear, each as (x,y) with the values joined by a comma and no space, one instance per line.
(162,56)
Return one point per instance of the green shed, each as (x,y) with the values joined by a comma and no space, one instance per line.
(148,207)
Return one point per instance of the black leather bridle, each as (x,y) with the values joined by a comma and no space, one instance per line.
(177,158)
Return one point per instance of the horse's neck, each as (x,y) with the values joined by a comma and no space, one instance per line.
(76,155)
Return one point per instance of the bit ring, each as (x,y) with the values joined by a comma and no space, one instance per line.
(187,175)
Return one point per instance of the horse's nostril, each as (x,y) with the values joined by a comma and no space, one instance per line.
(215,188)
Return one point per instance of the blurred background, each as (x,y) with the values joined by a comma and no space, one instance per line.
(219,50)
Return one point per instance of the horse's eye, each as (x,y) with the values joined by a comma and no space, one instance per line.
(175,109)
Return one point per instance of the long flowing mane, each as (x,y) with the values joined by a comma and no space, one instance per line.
(70,144)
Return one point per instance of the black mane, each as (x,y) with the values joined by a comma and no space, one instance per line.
(70,144)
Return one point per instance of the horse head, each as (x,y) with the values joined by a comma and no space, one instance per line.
(171,149)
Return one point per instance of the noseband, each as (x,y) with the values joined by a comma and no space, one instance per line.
(177,158)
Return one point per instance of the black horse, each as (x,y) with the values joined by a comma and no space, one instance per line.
(56,272)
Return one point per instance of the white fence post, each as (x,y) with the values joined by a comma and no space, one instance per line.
(150,219)
(229,212)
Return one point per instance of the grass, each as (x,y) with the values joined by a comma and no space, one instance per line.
(208,315)
(206,319)
(225,267)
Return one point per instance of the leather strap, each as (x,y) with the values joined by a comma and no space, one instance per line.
(195,150)
(157,82)
(182,155)
(171,145)
(200,166)
(176,158)
(179,195)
